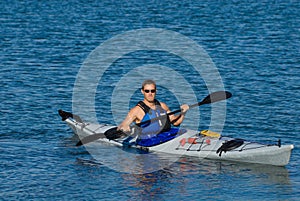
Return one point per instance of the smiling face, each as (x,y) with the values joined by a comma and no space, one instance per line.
(149,92)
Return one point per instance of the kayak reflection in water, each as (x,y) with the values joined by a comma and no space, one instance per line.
(150,115)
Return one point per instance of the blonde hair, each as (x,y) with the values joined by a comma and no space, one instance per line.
(148,82)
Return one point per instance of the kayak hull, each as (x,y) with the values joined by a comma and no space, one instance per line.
(191,143)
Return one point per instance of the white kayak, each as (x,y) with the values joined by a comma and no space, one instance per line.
(205,144)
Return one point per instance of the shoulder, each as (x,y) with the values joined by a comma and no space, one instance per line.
(136,113)
(136,110)
(164,106)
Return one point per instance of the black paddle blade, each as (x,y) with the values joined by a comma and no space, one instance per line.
(114,133)
(215,97)
(90,138)
(111,134)
(211,98)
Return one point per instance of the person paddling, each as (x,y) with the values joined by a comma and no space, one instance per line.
(151,108)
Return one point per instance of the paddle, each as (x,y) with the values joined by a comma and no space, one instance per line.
(211,98)
(110,134)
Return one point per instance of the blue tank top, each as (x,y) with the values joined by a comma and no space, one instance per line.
(153,127)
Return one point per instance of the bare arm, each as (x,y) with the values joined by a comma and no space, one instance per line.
(133,115)
(176,120)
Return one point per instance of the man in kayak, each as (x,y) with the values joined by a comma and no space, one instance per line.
(147,110)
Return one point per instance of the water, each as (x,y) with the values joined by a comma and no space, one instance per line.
(255,47)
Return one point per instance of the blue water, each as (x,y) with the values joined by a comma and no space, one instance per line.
(255,46)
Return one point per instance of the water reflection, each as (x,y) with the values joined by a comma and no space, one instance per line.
(208,177)
(128,160)
(266,173)
(188,176)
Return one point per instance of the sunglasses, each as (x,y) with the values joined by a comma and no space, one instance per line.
(152,91)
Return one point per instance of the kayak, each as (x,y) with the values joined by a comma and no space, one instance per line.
(205,144)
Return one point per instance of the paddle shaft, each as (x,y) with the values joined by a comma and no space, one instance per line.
(179,110)
(211,98)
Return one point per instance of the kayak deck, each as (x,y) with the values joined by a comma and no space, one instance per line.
(191,143)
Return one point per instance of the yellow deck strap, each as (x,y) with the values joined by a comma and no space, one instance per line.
(210,133)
